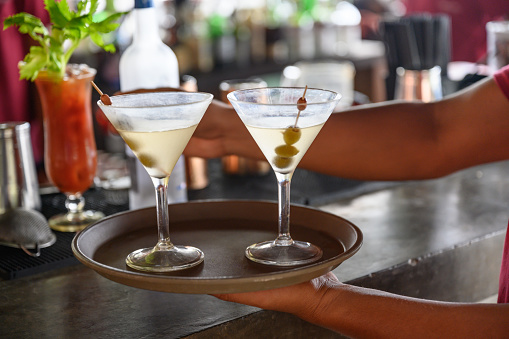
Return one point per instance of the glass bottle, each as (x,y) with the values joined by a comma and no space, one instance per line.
(148,63)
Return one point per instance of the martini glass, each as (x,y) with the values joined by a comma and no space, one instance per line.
(284,134)
(157,127)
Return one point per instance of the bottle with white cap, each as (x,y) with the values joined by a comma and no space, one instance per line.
(149,63)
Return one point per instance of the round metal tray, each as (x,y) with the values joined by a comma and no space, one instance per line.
(222,230)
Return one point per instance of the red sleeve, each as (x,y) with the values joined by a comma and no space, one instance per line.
(502,79)
(503,287)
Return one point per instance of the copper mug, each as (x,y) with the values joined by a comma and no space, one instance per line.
(422,85)
(233,164)
(196,168)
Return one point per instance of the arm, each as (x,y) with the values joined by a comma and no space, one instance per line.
(400,140)
(386,141)
(361,312)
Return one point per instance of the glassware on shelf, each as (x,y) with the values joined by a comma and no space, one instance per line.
(497,44)
(337,76)
(148,64)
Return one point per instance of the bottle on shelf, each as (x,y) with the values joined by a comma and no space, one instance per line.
(221,31)
(148,63)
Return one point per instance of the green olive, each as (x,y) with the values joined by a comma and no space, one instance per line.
(291,135)
(286,151)
(282,162)
(146,160)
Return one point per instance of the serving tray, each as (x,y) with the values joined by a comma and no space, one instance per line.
(222,230)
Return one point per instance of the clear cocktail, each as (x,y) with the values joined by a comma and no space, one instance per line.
(157,127)
(284,131)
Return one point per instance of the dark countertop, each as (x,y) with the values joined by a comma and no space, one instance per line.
(438,239)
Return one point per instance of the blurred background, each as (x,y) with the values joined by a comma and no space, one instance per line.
(353,46)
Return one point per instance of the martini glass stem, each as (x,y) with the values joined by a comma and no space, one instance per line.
(163,221)
(284,181)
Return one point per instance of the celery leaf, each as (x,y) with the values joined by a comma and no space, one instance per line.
(68,28)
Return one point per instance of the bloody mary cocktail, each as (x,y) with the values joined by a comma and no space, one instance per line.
(70,154)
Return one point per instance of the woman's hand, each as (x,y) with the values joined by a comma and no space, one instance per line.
(304,300)
(220,133)
(208,141)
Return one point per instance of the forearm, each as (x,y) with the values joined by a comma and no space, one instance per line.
(385,141)
(388,141)
(365,313)
(362,143)
(399,140)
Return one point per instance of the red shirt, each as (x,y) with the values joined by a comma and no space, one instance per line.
(468,22)
(503,283)
(502,79)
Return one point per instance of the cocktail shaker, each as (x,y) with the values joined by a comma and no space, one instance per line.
(19,186)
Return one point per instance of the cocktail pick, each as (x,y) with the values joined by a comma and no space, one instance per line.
(291,135)
(104,97)
(301,104)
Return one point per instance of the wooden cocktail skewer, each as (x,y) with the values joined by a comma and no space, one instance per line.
(104,97)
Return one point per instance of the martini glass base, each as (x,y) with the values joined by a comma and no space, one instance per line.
(74,222)
(297,253)
(168,260)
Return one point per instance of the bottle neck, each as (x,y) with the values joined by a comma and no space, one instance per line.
(143,3)
(147,25)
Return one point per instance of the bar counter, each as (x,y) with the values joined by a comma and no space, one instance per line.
(440,239)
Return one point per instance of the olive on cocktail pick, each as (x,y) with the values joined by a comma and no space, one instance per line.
(282,162)
(104,97)
(302,103)
(292,134)
(286,151)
